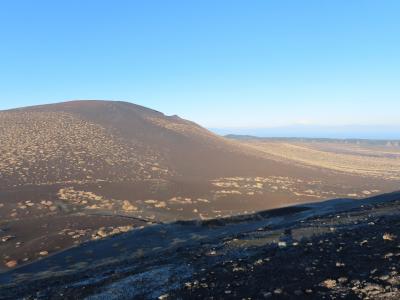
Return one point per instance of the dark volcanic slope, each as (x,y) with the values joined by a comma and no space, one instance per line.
(340,249)
(92,141)
(85,141)
(96,140)
(82,170)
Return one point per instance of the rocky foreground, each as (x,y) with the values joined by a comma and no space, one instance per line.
(339,249)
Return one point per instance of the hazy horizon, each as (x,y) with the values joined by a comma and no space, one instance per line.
(376,132)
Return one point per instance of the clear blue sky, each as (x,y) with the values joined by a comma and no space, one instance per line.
(220,63)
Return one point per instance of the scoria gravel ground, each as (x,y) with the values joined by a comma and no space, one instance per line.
(339,249)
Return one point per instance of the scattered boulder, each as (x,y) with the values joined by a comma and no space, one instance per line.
(11,264)
(389,237)
(7,238)
(127,206)
(329,283)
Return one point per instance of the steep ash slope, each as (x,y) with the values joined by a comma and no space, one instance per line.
(188,149)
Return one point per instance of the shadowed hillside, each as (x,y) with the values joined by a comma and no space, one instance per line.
(338,249)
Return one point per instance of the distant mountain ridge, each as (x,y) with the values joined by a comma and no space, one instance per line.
(390,143)
(374,132)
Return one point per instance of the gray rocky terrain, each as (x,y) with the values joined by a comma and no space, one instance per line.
(338,249)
